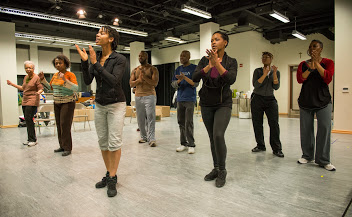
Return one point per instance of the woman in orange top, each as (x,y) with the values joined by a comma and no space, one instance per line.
(64,84)
(31,88)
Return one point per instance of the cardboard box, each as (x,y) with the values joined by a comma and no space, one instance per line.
(165,110)
(129,112)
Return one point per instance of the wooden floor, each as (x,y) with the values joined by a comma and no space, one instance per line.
(158,181)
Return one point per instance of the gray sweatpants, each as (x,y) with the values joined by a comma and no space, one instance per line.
(145,108)
(185,112)
(322,153)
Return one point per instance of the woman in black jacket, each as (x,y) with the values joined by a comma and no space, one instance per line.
(107,67)
(218,71)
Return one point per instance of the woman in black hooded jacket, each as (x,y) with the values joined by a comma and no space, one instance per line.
(217,71)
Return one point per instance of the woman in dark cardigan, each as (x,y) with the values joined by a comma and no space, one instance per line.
(217,71)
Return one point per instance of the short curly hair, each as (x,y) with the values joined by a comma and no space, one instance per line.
(112,33)
(63,58)
(269,54)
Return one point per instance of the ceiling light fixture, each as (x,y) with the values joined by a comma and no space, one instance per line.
(298,34)
(67,20)
(195,11)
(279,16)
(116,22)
(34,37)
(81,14)
(175,39)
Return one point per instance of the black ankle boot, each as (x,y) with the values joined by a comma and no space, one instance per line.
(221,179)
(111,182)
(102,183)
(212,175)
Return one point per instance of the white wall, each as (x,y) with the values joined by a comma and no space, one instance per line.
(45,59)
(172,54)
(22,54)
(343,74)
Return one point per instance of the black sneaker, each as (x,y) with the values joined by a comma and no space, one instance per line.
(221,179)
(103,181)
(279,153)
(111,182)
(212,175)
(257,149)
(59,150)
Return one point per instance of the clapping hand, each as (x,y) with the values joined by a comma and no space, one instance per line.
(180,77)
(82,53)
(212,57)
(93,56)
(266,70)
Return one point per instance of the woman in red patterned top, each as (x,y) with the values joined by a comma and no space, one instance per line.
(31,88)
(315,74)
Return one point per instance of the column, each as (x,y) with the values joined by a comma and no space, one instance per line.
(343,76)
(8,94)
(33,56)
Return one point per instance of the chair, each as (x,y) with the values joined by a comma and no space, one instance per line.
(44,108)
(134,111)
(82,113)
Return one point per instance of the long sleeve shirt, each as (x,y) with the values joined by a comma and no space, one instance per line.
(63,91)
(108,78)
(267,87)
(30,89)
(315,92)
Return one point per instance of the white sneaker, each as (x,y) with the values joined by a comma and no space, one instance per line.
(303,161)
(25,143)
(330,167)
(32,144)
(191,150)
(181,148)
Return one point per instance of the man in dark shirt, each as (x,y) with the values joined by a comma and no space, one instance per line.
(265,81)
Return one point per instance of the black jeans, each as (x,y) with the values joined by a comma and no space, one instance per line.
(29,112)
(185,112)
(216,120)
(267,104)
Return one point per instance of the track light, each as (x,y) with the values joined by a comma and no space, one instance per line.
(195,11)
(175,39)
(279,16)
(298,35)
(67,20)
(81,14)
(32,37)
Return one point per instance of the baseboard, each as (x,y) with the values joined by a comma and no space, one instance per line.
(8,126)
(342,131)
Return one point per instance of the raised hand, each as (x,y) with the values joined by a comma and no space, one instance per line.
(93,56)
(274,68)
(82,53)
(266,70)
(62,76)
(9,82)
(212,57)
(41,75)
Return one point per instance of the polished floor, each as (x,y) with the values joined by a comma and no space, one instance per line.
(158,181)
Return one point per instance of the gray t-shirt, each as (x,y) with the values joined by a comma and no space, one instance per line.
(267,87)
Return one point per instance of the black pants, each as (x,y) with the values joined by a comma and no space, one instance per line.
(216,120)
(29,112)
(63,117)
(267,104)
(185,112)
